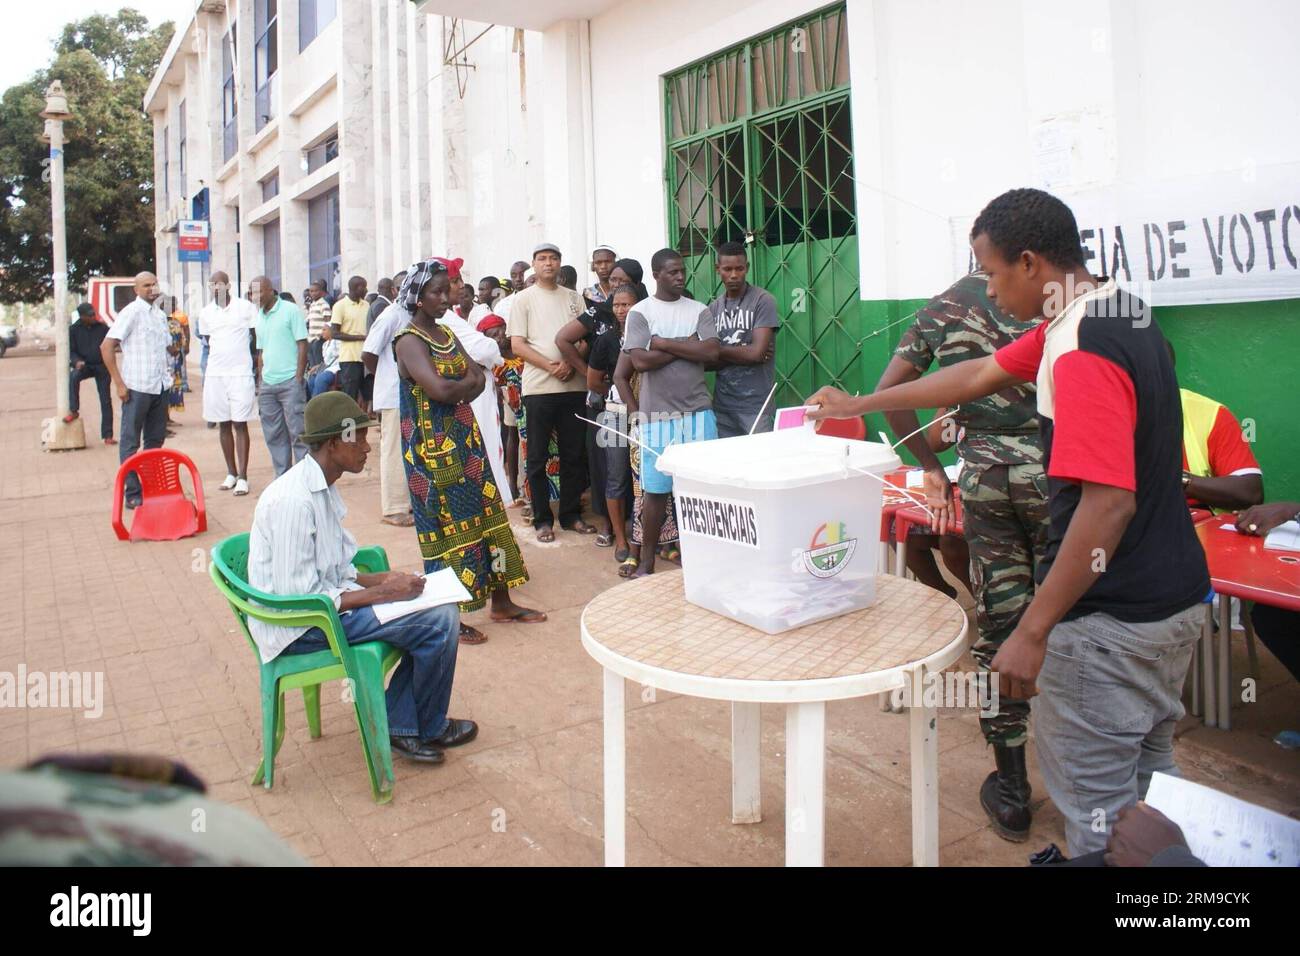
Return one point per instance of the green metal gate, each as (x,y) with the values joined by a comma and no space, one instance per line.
(760,151)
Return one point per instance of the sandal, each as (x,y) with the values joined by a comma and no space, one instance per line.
(545,534)
(581,527)
(471,635)
(605,539)
(527,513)
(670,552)
(628,567)
(520,615)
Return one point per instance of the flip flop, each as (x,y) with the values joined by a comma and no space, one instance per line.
(628,567)
(581,527)
(546,534)
(670,552)
(605,540)
(471,635)
(521,615)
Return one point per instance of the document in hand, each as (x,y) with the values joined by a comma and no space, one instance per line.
(1223,830)
(440,587)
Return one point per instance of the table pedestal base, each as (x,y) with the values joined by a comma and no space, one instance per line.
(615,770)
(746,733)
(805,784)
(805,775)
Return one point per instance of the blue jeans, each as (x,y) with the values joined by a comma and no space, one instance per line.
(144,415)
(420,690)
(322,381)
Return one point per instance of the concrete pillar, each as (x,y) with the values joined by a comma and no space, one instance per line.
(357,154)
(420,64)
(377,167)
(399,168)
(564,150)
(294,252)
(251,253)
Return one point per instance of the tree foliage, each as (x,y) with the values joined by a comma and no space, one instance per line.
(105,64)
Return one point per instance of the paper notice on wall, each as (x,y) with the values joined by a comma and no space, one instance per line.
(1222,830)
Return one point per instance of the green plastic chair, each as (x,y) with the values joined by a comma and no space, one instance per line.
(364,665)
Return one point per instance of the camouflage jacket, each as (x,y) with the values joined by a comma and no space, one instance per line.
(960,324)
(51,816)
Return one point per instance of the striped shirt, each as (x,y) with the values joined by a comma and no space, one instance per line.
(318,316)
(298,545)
(145,365)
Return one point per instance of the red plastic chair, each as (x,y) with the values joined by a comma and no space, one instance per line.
(165,513)
(852,428)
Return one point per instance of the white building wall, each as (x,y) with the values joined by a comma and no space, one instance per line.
(950,100)
(951,104)
(632,47)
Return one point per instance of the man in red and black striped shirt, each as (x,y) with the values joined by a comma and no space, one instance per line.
(1105,644)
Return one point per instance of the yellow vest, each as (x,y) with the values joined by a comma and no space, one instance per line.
(1199,415)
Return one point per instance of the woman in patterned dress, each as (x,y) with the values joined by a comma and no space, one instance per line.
(180,346)
(460,518)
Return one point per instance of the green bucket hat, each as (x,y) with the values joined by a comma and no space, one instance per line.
(329,414)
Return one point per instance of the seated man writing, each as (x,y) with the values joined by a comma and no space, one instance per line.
(298,545)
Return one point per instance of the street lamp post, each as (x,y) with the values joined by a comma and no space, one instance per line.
(57,434)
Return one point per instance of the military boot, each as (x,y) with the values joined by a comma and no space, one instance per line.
(1005,794)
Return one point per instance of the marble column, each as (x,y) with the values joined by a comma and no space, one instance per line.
(357,155)
(399,169)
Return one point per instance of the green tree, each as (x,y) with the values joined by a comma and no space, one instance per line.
(105,64)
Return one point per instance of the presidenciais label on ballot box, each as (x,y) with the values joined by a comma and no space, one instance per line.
(719,518)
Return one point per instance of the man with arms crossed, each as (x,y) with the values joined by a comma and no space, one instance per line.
(747,323)
(669,340)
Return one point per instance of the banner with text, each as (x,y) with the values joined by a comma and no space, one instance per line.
(1229,237)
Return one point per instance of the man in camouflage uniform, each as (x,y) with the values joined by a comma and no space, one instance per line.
(1004,498)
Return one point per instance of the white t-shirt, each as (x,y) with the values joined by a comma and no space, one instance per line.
(379,343)
(229,332)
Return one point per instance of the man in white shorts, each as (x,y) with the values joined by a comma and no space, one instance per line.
(229,393)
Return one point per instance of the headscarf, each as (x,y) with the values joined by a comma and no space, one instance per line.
(417,276)
(632,269)
(453,266)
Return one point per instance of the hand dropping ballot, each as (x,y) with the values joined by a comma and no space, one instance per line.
(780,529)
(440,587)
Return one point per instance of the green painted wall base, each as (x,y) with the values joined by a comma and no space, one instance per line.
(1246,355)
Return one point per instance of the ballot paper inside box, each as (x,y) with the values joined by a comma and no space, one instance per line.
(781,529)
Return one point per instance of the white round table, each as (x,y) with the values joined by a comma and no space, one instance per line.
(646,631)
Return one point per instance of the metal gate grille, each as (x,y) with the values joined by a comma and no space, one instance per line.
(760,150)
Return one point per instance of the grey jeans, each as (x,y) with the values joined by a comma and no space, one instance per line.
(1109,695)
(280,408)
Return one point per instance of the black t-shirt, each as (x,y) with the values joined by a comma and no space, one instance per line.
(597,320)
(1110,413)
(605,353)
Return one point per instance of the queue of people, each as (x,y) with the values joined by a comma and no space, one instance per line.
(1080,457)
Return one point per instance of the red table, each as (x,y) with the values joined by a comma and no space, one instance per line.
(1240,567)
(909,516)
